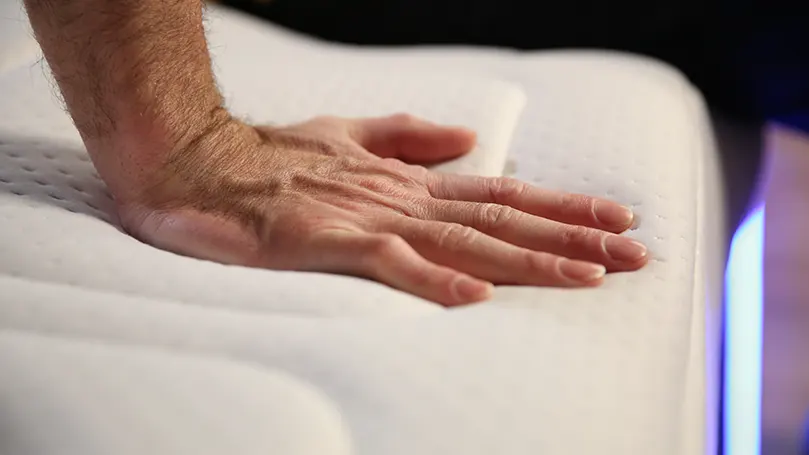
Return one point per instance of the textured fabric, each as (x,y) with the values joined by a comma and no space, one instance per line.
(619,370)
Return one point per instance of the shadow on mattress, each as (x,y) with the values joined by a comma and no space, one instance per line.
(39,171)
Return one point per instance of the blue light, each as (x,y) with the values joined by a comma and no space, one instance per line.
(744,315)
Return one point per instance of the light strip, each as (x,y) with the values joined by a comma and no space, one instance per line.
(744,317)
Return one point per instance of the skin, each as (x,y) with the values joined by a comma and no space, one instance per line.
(336,195)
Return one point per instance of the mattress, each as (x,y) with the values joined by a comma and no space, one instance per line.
(17,44)
(109,346)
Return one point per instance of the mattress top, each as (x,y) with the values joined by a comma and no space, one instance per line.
(364,368)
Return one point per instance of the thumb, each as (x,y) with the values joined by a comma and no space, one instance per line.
(411,139)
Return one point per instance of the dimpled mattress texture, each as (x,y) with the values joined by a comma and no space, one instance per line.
(112,347)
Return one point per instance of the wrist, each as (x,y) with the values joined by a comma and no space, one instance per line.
(139,152)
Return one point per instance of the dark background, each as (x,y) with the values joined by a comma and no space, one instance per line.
(751,59)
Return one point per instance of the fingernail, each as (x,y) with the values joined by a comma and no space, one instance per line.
(469,289)
(623,249)
(610,214)
(581,271)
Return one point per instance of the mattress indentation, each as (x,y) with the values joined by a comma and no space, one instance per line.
(50,173)
(56,198)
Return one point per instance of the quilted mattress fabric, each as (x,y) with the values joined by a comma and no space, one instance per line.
(109,346)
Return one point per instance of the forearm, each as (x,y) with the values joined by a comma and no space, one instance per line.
(135,76)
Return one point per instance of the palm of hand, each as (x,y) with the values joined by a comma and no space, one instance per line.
(335,195)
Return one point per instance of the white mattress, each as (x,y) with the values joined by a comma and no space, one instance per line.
(108,346)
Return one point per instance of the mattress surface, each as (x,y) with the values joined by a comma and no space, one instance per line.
(111,346)
(17,43)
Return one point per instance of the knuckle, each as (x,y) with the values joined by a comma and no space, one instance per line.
(404,174)
(506,189)
(300,224)
(319,146)
(425,277)
(393,163)
(404,118)
(398,185)
(541,262)
(576,235)
(493,216)
(418,171)
(404,206)
(572,202)
(413,174)
(454,236)
(411,206)
(288,233)
(386,247)
(376,184)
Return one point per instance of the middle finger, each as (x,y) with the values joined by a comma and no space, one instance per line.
(616,252)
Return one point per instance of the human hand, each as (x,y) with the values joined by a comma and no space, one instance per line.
(336,195)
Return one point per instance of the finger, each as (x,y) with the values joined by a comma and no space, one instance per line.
(463,248)
(388,259)
(411,139)
(616,252)
(563,207)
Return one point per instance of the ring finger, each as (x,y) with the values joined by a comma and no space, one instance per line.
(475,253)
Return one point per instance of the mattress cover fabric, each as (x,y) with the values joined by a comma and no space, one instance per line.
(17,43)
(110,346)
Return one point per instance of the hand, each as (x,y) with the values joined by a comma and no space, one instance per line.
(335,195)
